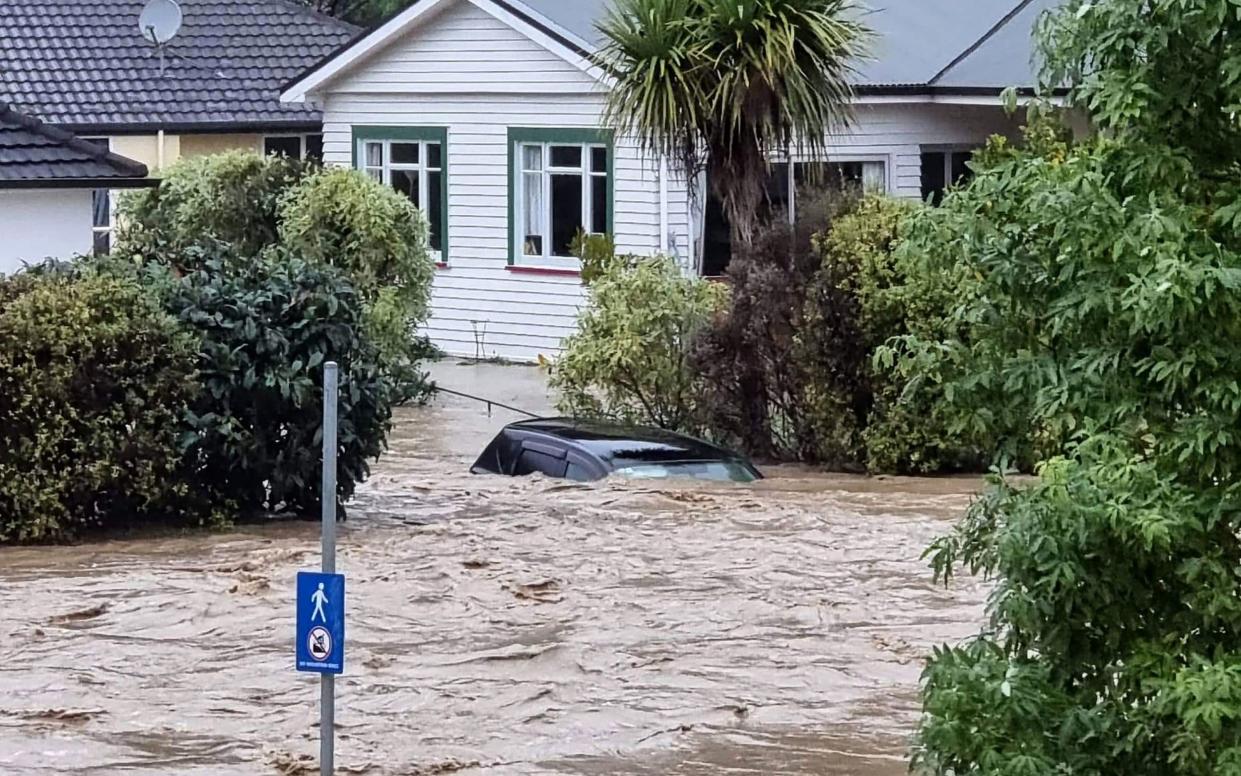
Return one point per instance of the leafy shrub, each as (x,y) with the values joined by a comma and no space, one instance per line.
(629,359)
(375,234)
(1108,312)
(757,392)
(595,252)
(862,297)
(232,197)
(266,327)
(94,379)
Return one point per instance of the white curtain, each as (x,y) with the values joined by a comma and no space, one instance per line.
(874,176)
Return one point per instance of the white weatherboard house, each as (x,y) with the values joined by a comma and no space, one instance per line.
(487,114)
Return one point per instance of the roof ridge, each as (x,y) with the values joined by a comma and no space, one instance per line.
(293,5)
(986,36)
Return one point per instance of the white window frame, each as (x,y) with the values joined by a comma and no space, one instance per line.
(884,159)
(587,173)
(423,168)
(110,228)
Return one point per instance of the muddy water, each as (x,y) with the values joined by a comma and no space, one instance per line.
(497,626)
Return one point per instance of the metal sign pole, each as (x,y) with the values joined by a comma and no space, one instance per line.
(327,687)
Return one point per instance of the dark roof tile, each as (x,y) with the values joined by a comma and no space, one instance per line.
(84,64)
(32,152)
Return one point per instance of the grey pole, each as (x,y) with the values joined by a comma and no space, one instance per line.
(327,687)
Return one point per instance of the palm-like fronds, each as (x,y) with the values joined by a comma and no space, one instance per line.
(717,85)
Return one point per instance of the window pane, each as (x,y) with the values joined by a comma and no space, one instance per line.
(598,159)
(532,207)
(933,182)
(404,153)
(599,204)
(778,186)
(406,182)
(566,156)
(435,209)
(283,146)
(314,147)
(376,174)
(874,177)
(374,154)
(103,243)
(531,157)
(566,212)
(435,155)
(961,173)
(101,206)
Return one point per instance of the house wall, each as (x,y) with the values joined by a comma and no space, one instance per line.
(38,224)
(145,148)
(473,74)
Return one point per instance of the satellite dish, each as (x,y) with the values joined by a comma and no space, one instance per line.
(160,21)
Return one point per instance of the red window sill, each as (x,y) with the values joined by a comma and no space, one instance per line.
(441,265)
(543,270)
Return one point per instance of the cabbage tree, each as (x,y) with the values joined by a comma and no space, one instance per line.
(716,86)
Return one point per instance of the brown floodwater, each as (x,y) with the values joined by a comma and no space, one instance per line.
(497,625)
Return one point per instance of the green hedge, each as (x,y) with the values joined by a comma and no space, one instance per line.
(94,382)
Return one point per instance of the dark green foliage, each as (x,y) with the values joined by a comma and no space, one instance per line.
(266,327)
(233,197)
(376,235)
(758,392)
(94,379)
(1108,313)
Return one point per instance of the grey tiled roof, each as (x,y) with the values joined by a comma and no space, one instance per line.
(918,42)
(84,64)
(33,153)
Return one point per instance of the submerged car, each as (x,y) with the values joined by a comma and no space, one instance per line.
(585,450)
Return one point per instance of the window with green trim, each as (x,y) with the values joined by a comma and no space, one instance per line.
(561,185)
(412,161)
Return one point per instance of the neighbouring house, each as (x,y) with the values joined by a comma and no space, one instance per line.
(84,66)
(48,178)
(486,113)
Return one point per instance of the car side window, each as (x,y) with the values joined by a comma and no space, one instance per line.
(534,461)
(578,472)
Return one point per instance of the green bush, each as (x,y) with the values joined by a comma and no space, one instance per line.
(94,380)
(232,197)
(266,327)
(375,234)
(863,296)
(1108,312)
(629,359)
(757,391)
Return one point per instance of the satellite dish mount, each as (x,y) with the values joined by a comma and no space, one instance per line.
(159,23)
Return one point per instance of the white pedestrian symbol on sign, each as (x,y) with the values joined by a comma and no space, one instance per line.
(318,598)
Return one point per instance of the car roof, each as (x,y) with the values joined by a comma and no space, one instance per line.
(614,442)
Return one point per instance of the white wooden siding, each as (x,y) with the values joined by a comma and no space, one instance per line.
(464,47)
(40,224)
(467,71)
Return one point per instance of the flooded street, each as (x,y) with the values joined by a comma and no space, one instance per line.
(499,626)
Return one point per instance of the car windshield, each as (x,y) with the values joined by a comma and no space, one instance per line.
(722,471)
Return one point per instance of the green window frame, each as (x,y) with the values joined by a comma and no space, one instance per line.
(421,168)
(531,159)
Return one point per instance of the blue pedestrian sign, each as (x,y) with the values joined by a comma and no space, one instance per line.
(320,622)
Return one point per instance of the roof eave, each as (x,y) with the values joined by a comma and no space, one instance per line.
(79,183)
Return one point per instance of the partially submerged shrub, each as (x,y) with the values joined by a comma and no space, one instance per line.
(629,359)
(94,380)
(375,235)
(266,328)
(757,392)
(232,197)
(863,296)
